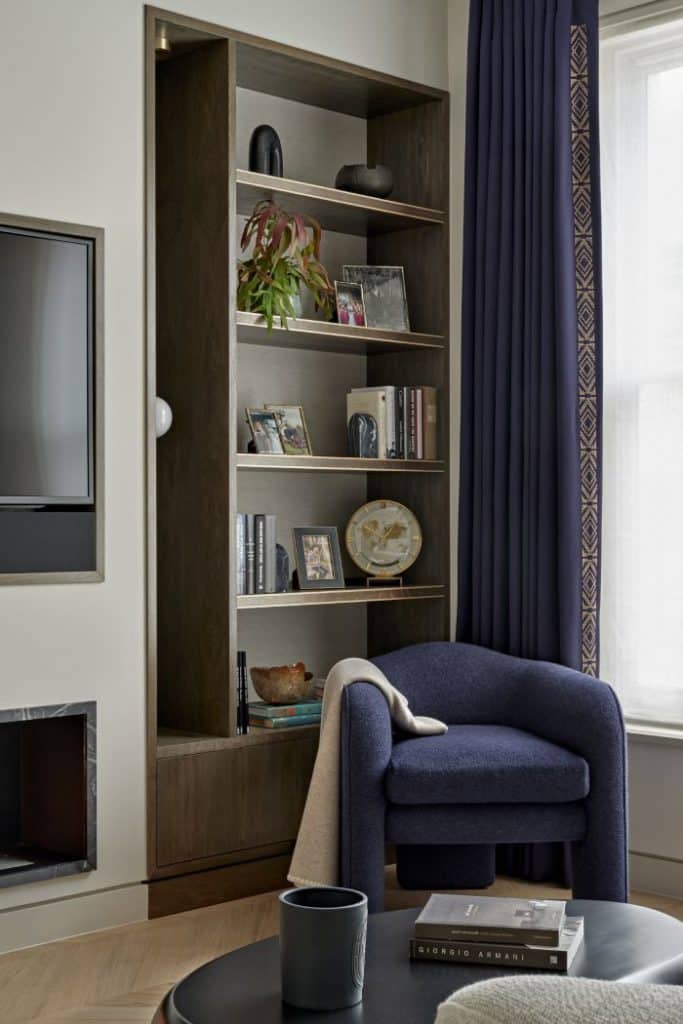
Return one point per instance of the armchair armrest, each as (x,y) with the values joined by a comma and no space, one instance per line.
(366,743)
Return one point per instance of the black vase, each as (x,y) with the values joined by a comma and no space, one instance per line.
(375,181)
(265,151)
(322,947)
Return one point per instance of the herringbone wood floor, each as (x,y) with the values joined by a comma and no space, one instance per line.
(119,976)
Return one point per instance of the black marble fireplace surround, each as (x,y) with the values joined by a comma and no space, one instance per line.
(48,792)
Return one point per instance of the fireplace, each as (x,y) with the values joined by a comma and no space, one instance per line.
(48,792)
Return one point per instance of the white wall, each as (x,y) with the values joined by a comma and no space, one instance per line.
(71,114)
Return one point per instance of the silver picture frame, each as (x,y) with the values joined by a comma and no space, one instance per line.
(384,295)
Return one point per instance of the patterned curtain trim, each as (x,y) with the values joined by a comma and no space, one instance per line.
(586,340)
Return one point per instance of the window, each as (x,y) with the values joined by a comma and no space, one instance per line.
(642,188)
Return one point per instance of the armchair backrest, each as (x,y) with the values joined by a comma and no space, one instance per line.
(459,683)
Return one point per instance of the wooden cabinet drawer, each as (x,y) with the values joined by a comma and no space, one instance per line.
(223,801)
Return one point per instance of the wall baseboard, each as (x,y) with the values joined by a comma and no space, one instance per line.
(661,875)
(63,918)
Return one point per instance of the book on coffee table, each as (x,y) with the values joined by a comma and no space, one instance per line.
(496,954)
(491,919)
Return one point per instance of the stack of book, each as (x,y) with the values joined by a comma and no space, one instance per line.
(256,565)
(497,932)
(319,691)
(284,716)
(405,417)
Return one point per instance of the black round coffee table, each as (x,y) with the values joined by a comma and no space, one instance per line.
(244,987)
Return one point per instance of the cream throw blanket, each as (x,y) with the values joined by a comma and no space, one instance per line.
(316,854)
(531,999)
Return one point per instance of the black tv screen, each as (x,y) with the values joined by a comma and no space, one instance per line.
(46,368)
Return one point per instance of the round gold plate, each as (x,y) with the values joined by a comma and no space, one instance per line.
(383,538)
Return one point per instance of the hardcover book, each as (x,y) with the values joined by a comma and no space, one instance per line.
(260,709)
(284,723)
(241,560)
(249,548)
(259,554)
(491,919)
(549,958)
(429,417)
(269,524)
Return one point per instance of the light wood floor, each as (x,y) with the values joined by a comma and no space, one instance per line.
(119,976)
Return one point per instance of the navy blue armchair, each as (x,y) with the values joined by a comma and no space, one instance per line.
(534,753)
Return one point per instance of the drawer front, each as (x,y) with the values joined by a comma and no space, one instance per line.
(223,801)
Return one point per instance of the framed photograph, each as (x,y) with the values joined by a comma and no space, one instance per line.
(265,431)
(291,424)
(384,295)
(318,557)
(350,307)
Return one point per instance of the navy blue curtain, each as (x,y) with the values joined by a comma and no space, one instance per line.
(529,517)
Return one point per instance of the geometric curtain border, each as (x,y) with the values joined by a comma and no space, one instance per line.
(582,203)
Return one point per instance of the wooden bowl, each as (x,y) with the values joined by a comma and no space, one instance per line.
(283,684)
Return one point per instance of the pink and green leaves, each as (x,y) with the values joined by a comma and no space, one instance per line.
(285,256)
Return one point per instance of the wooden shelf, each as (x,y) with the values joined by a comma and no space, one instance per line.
(174,743)
(334,464)
(328,337)
(335,209)
(350,595)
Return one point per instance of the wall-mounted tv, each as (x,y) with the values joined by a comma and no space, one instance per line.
(46,368)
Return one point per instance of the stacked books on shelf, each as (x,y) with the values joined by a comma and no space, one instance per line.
(284,716)
(255,562)
(497,932)
(405,416)
(319,690)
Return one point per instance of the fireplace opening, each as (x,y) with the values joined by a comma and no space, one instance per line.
(48,792)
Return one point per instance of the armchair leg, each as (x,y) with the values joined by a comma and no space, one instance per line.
(445,867)
(600,869)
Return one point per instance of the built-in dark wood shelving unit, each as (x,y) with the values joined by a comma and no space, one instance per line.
(334,464)
(206,838)
(372,594)
(173,743)
(321,336)
(335,210)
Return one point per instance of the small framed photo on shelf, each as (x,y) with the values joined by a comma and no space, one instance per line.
(318,558)
(265,431)
(350,306)
(291,424)
(384,295)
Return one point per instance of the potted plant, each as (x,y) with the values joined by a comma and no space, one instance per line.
(285,255)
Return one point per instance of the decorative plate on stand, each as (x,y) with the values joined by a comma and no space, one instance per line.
(383,537)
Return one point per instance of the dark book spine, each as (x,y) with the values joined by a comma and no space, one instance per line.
(259,554)
(490,954)
(412,424)
(401,421)
(249,544)
(398,420)
(242,698)
(419,429)
(509,936)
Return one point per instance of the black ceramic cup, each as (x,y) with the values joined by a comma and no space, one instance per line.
(322,947)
